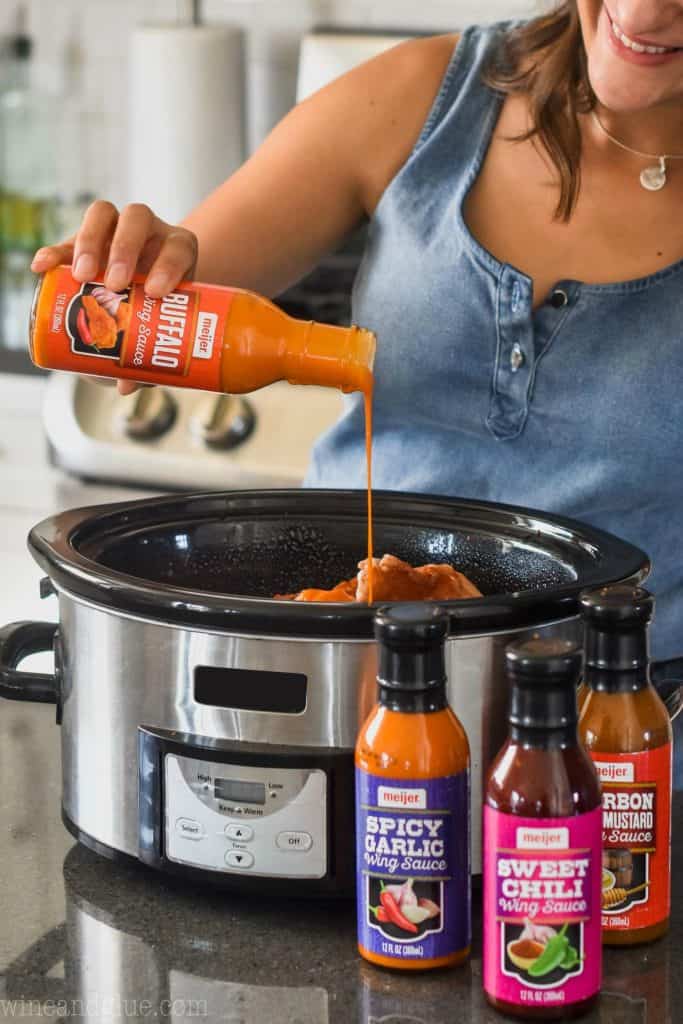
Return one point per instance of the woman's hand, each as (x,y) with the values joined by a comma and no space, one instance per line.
(295,199)
(133,241)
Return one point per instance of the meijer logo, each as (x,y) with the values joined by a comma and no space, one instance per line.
(615,771)
(542,838)
(205,335)
(390,796)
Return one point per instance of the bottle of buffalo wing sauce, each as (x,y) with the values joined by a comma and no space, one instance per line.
(412,803)
(199,336)
(542,846)
(625,727)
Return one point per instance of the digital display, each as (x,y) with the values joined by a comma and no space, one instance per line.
(243,689)
(239,792)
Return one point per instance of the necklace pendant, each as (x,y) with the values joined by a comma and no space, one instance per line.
(654,178)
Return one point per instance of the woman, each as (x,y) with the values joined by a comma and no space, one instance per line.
(524,282)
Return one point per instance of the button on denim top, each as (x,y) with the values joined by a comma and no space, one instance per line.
(575,408)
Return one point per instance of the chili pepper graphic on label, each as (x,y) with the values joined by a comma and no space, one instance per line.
(83,329)
(571,959)
(415,910)
(394,914)
(552,956)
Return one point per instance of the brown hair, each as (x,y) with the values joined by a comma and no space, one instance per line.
(545,60)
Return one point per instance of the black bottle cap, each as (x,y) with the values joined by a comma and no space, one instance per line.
(618,606)
(543,658)
(411,640)
(616,619)
(544,673)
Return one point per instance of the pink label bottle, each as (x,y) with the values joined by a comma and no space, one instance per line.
(542,846)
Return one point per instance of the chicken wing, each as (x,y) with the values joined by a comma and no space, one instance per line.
(123,316)
(344,592)
(102,326)
(394,580)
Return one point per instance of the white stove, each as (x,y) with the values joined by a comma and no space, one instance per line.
(176,439)
(169,439)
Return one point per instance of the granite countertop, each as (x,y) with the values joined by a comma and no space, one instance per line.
(84,938)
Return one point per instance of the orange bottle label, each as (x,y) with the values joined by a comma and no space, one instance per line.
(149,340)
(636,837)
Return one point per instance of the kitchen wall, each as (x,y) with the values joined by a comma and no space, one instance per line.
(97,32)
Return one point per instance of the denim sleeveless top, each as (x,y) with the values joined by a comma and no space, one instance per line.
(575,408)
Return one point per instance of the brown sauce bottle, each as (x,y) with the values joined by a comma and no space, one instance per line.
(542,850)
(626,729)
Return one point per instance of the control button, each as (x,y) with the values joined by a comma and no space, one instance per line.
(240,833)
(223,421)
(239,859)
(559,298)
(516,358)
(297,841)
(149,415)
(189,829)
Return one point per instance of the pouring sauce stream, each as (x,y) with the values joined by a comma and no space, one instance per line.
(367,398)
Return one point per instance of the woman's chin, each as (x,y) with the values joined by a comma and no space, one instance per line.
(623,94)
(618,103)
(628,82)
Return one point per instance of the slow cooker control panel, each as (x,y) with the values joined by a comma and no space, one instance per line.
(245,819)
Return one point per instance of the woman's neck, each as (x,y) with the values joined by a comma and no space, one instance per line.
(658,130)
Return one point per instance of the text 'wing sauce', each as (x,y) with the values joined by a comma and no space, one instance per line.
(626,730)
(542,951)
(412,802)
(199,336)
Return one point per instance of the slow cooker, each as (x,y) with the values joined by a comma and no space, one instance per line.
(207,729)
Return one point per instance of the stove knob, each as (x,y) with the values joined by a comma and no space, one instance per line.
(147,415)
(223,421)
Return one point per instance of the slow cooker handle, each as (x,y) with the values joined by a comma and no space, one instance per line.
(17,641)
(667,679)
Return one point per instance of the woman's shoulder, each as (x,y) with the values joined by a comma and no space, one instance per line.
(423,52)
(425,60)
(392,95)
(416,67)
(416,71)
(377,111)
(413,85)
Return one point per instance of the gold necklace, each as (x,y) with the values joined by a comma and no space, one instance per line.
(651,178)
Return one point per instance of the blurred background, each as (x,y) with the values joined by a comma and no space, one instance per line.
(93,102)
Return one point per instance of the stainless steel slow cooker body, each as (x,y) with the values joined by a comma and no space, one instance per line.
(156,596)
(111,690)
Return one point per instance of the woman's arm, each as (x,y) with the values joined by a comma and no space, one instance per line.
(321,171)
